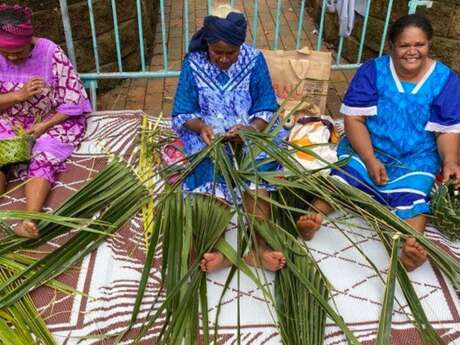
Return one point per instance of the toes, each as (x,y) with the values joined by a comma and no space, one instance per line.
(274,261)
(269,260)
(410,266)
(413,254)
(410,250)
(276,255)
(27,229)
(411,241)
(414,249)
(30,227)
(207,257)
(282,262)
(309,224)
(203,265)
(420,249)
(421,252)
(307,218)
(317,218)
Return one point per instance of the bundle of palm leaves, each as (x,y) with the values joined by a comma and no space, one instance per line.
(189,227)
(301,317)
(387,225)
(193,226)
(445,207)
(106,202)
(21,324)
(301,292)
(96,211)
(16,149)
(301,283)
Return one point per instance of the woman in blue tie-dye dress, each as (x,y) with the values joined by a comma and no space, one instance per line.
(402,119)
(224,85)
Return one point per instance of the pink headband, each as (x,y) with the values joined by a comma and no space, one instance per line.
(13,36)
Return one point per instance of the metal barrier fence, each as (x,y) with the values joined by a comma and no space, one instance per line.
(91,79)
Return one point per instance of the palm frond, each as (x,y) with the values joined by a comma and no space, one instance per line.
(445,207)
(239,169)
(116,205)
(205,220)
(386,224)
(384,332)
(302,270)
(21,323)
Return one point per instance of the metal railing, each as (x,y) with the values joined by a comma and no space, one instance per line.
(92,78)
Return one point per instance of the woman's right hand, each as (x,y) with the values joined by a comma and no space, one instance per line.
(206,134)
(31,88)
(377,171)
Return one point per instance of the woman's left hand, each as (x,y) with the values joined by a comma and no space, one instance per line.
(233,134)
(37,130)
(451,170)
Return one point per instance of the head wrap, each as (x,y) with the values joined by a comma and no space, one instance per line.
(14,36)
(231,30)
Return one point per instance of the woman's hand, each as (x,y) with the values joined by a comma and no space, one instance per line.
(377,171)
(37,130)
(199,126)
(233,134)
(448,148)
(206,134)
(33,87)
(451,170)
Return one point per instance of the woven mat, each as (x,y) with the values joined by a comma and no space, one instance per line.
(109,276)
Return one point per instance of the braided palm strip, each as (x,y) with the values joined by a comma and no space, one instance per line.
(14,150)
(445,207)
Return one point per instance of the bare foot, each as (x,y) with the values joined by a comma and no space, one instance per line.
(27,229)
(214,261)
(268,259)
(413,254)
(308,225)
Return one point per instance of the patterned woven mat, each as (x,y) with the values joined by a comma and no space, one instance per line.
(109,276)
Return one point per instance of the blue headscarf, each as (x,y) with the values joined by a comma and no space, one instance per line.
(231,30)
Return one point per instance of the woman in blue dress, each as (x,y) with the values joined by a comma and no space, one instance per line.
(402,125)
(224,85)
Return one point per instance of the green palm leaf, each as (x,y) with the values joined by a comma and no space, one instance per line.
(21,324)
(239,170)
(116,206)
(384,332)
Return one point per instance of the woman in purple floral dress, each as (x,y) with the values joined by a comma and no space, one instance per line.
(40,92)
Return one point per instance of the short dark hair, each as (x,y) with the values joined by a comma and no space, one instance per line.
(411,20)
(12,16)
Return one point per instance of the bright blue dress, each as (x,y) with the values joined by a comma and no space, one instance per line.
(403,119)
(222,99)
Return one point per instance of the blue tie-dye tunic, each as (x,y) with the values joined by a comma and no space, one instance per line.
(222,99)
(402,119)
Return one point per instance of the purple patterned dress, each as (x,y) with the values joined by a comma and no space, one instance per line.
(64,94)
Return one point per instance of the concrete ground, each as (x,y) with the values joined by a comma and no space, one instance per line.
(156,95)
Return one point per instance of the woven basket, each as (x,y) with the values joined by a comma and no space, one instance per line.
(445,208)
(15,150)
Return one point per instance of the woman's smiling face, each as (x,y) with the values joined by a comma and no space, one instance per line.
(410,50)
